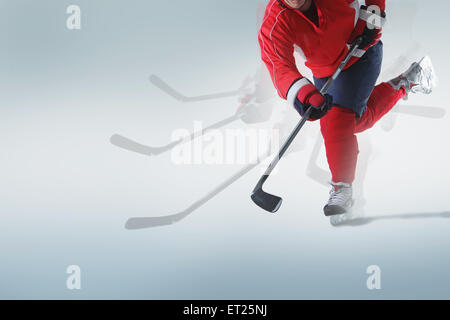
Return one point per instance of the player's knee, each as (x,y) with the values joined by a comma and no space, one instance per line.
(338,124)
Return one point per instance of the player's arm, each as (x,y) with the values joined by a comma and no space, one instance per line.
(369,25)
(277,52)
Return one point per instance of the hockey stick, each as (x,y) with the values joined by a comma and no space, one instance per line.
(133,146)
(389,121)
(158,82)
(271,202)
(151,222)
(421,111)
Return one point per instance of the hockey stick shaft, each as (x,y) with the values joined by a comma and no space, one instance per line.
(158,82)
(421,111)
(133,146)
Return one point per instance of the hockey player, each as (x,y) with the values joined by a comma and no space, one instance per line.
(324,31)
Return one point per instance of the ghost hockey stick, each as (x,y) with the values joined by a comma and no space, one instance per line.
(421,111)
(152,222)
(244,112)
(133,146)
(270,202)
(158,82)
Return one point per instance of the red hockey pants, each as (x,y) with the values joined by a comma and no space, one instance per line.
(340,125)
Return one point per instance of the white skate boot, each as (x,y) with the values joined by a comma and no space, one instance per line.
(341,199)
(420,77)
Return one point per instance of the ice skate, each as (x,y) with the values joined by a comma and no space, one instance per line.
(420,77)
(340,200)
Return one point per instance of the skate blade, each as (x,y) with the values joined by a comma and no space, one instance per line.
(354,212)
(340,219)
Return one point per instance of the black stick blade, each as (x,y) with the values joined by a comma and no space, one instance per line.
(266,201)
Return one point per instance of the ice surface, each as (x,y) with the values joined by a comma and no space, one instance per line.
(66,191)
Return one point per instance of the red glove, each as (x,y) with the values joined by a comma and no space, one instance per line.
(308,95)
(369,25)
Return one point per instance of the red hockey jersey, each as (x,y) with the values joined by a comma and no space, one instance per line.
(324,46)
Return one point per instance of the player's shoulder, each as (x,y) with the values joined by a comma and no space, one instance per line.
(275,12)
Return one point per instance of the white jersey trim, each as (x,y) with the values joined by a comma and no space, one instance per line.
(295,88)
(275,49)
